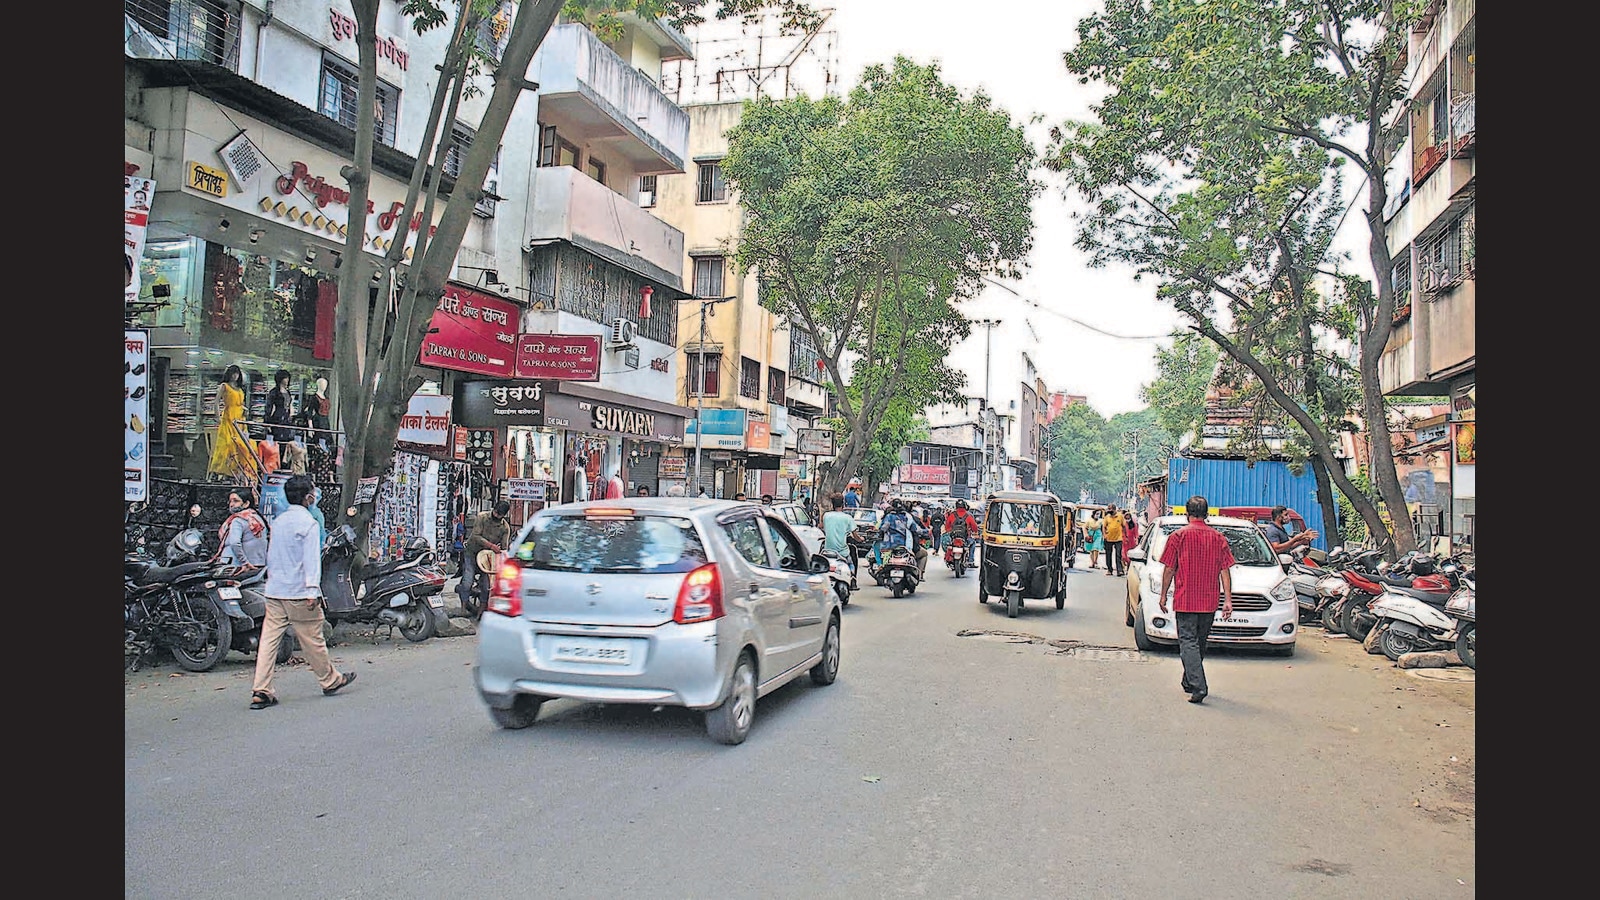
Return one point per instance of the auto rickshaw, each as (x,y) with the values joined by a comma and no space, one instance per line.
(1022,558)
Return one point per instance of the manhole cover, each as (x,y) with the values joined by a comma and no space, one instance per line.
(1453,673)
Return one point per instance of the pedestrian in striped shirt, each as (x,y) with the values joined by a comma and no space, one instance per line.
(1196,562)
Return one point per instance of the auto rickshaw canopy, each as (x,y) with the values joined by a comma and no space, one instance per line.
(1022,518)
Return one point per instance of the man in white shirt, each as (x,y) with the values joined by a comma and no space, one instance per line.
(294,596)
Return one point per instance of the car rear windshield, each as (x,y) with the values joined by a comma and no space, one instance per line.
(646,544)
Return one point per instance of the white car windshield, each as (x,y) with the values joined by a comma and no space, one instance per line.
(1248,546)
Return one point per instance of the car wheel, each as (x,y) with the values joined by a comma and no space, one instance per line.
(1141,639)
(729,721)
(523,712)
(1061,593)
(827,668)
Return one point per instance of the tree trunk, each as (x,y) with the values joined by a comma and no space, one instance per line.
(1314,433)
(1325,498)
(1384,476)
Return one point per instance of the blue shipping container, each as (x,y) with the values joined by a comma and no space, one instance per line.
(1235,482)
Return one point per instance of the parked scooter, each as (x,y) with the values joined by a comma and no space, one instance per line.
(1414,573)
(405,593)
(899,571)
(1411,619)
(1463,607)
(955,556)
(839,575)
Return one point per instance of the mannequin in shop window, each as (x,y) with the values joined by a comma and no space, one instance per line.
(231,451)
(277,413)
(575,483)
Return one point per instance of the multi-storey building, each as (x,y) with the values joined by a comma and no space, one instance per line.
(735,354)
(243,114)
(1431,234)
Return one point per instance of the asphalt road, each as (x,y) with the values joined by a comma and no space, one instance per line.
(937,765)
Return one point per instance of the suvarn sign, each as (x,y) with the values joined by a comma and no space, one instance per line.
(626,421)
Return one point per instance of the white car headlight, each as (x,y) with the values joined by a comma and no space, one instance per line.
(1283,591)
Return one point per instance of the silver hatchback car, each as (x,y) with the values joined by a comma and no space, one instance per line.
(707,604)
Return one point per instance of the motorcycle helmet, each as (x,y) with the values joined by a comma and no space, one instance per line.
(961,504)
(416,547)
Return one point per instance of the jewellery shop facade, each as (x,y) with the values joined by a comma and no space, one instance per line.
(540,442)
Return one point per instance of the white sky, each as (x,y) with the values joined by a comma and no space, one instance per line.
(1012,49)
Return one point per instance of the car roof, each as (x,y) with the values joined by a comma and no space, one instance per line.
(1210,520)
(677,506)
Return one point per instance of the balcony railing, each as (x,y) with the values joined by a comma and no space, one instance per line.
(206,30)
(597,93)
(1463,123)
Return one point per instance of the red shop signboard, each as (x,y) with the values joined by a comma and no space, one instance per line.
(914,474)
(562,357)
(472,332)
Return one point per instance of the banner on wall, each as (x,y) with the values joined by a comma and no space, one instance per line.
(472,332)
(136,416)
(137,194)
(427,421)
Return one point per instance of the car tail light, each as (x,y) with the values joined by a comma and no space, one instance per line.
(700,597)
(505,597)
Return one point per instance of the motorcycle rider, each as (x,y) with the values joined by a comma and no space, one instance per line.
(836,528)
(967,526)
(902,529)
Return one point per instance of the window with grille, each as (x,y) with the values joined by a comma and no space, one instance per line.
(712,188)
(460,141)
(776,381)
(494,30)
(340,85)
(206,30)
(647,190)
(1442,258)
(1401,280)
(803,355)
(749,378)
(708,276)
(713,380)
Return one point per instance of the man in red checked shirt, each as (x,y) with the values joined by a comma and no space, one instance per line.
(1197,559)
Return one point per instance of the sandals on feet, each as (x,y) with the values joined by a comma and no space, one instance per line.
(344,679)
(262,700)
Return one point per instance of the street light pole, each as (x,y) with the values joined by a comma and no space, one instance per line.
(988,336)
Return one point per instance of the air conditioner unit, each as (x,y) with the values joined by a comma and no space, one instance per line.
(622,334)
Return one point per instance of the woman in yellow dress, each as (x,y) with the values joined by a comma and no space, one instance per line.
(231,452)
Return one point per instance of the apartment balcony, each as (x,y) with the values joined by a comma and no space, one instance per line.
(806,397)
(594,95)
(1437,342)
(570,206)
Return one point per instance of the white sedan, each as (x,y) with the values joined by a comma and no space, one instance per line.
(799,520)
(1265,611)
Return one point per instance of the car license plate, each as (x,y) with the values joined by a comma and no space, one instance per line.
(593,650)
(228,593)
(1233,621)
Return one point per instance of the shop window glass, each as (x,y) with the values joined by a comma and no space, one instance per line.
(172,265)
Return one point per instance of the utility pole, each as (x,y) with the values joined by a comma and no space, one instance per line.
(988,408)
(700,391)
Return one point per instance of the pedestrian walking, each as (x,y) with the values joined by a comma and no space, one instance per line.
(294,597)
(1195,564)
(1130,535)
(852,496)
(1092,540)
(1111,532)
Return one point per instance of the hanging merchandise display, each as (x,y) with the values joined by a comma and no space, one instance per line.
(397,515)
(480,446)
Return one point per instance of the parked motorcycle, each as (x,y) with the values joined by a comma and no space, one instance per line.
(1463,607)
(1416,573)
(839,575)
(405,593)
(251,615)
(899,571)
(183,609)
(955,556)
